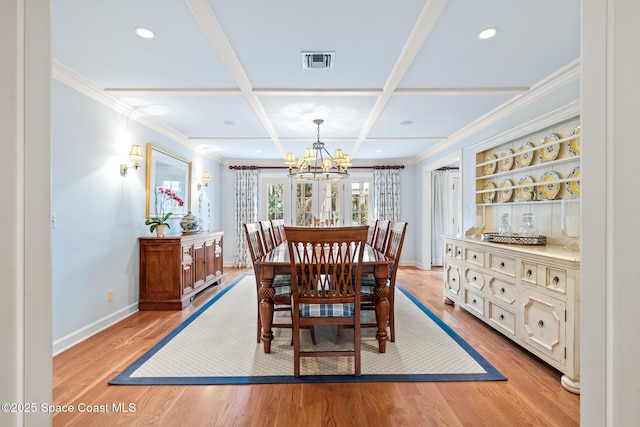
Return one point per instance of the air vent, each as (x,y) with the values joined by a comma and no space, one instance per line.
(317,60)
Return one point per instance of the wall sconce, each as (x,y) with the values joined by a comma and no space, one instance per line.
(205,177)
(136,154)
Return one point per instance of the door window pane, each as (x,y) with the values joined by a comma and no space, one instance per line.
(359,203)
(330,212)
(275,200)
(304,204)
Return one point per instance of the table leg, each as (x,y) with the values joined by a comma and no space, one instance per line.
(266,293)
(382,310)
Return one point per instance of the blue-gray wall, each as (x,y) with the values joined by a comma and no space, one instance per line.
(100,214)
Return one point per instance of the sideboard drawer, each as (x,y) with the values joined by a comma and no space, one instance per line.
(474,257)
(474,302)
(502,264)
(556,279)
(502,318)
(503,291)
(474,278)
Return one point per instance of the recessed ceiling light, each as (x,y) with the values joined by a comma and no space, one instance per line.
(144,32)
(488,33)
(258,151)
(378,151)
(406,122)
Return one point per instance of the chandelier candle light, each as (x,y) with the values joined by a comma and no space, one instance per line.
(317,164)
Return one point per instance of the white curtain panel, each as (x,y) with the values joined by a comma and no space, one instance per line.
(246,210)
(386,194)
(440,214)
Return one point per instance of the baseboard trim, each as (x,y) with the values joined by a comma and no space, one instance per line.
(82,334)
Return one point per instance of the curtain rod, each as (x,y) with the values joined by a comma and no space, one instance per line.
(232,167)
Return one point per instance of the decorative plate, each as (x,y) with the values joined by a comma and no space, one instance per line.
(490,196)
(506,160)
(506,191)
(525,194)
(490,168)
(550,188)
(573,187)
(549,148)
(524,159)
(574,143)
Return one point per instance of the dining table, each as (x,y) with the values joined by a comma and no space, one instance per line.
(278,262)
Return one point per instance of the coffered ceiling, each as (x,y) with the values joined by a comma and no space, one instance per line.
(408,76)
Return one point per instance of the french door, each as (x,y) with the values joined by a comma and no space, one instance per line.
(313,203)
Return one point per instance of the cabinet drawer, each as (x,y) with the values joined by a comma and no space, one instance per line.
(474,302)
(474,257)
(457,252)
(528,272)
(502,264)
(503,291)
(474,278)
(556,279)
(502,319)
(449,249)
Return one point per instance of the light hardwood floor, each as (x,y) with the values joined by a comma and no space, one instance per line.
(532,396)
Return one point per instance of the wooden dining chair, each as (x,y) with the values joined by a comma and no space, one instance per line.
(281,284)
(268,239)
(278,230)
(380,234)
(395,241)
(326,269)
(371,234)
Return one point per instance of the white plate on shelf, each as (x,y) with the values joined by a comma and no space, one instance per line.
(574,143)
(525,194)
(490,168)
(573,187)
(490,196)
(524,159)
(506,160)
(549,187)
(549,148)
(506,191)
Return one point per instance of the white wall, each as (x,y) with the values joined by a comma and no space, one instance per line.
(25,264)
(610,347)
(100,214)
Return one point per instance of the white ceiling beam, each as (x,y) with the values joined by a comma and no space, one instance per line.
(425,23)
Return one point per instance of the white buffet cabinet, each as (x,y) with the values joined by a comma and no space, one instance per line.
(531,294)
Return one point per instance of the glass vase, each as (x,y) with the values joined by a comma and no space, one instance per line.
(571,223)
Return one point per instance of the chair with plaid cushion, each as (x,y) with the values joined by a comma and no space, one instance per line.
(326,269)
(268,238)
(281,283)
(278,230)
(380,235)
(393,248)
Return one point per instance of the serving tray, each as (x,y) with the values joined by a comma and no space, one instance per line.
(514,239)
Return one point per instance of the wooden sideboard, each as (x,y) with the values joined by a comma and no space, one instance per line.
(530,294)
(173,269)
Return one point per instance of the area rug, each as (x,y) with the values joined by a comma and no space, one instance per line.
(217,345)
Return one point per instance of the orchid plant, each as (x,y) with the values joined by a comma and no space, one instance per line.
(163,196)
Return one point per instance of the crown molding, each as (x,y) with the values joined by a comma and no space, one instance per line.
(546,86)
(551,118)
(89,88)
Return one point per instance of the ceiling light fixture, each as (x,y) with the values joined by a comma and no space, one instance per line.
(487,33)
(317,164)
(144,32)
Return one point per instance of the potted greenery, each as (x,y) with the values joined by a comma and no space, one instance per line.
(159,222)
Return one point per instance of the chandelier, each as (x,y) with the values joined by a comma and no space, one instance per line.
(317,164)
